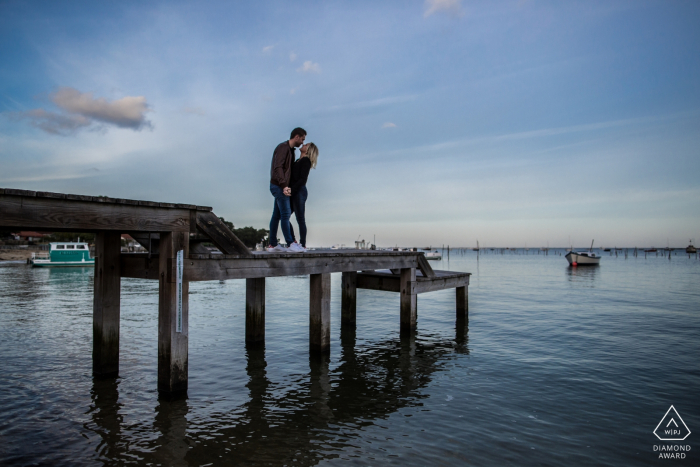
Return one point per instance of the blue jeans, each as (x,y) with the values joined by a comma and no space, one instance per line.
(281,212)
(299,208)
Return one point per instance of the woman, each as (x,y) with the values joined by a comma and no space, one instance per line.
(300,173)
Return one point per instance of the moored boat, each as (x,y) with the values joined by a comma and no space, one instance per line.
(65,254)
(433,255)
(690,248)
(583,258)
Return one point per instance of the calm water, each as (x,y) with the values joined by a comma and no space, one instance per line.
(556,365)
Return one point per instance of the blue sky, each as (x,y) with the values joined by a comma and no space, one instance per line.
(437,121)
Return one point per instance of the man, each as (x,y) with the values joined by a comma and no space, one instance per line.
(280,173)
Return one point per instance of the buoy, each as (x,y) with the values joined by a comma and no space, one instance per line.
(574,263)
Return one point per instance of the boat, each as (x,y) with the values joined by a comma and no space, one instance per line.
(434,255)
(691,248)
(583,258)
(651,250)
(65,254)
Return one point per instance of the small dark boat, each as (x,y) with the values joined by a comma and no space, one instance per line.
(691,248)
(651,250)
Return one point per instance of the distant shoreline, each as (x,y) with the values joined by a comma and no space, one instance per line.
(16,255)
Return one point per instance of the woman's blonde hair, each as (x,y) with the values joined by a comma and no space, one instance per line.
(312,154)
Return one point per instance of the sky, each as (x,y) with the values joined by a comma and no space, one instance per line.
(514,123)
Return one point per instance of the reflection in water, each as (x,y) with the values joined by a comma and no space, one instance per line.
(582,274)
(172,445)
(106,419)
(298,423)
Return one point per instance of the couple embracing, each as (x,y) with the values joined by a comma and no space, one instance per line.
(288,187)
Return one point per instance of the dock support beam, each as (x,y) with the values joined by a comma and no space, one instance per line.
(172,341)
(462,302)
(409,304)
(320,313)
(105,306)
(348,309)
(255,310)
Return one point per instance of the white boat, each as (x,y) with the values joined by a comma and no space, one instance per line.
(434,255)
(583,258)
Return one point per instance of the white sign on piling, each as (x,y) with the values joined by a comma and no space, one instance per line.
(180,260)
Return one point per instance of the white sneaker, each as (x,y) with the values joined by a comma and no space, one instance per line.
(277,249)
(296,248)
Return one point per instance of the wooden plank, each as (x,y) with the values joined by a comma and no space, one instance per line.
(65,215)
(425,267)
(462,301)
(348,307)
(242,268)
(47,194)
(172,342)
(423,286)
(79,198)
(320,313)
(409,305)
(255,310)
(106,305)
(220,235)
(13,192)
(391,283)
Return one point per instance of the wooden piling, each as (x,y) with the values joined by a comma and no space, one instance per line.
(408,299)
(348,313)
(106,304)
(320,313)
(462,301)
(172,319)
(255,310)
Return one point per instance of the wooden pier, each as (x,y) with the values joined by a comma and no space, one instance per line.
(173,235)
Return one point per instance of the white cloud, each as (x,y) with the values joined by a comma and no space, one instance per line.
(292,56)
(451,7)
(268,48)
(80,110)
(127,112)
(309,67)
(389,125)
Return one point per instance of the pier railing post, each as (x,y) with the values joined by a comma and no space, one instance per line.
(348,308)
(255,310)
(462,302)
(106,305)
(320,313)
(409,303)
(173,329)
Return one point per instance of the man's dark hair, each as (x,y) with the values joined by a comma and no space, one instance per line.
(298,132)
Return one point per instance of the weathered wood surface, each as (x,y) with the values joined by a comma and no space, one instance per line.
(388,282)
(222,267)
(320,313)
(255,310)
(98,199)
(106,305)
(348,302)
(462,301)
(172,345)
(220,235)
(409,303)
(55,215)
(425,267)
